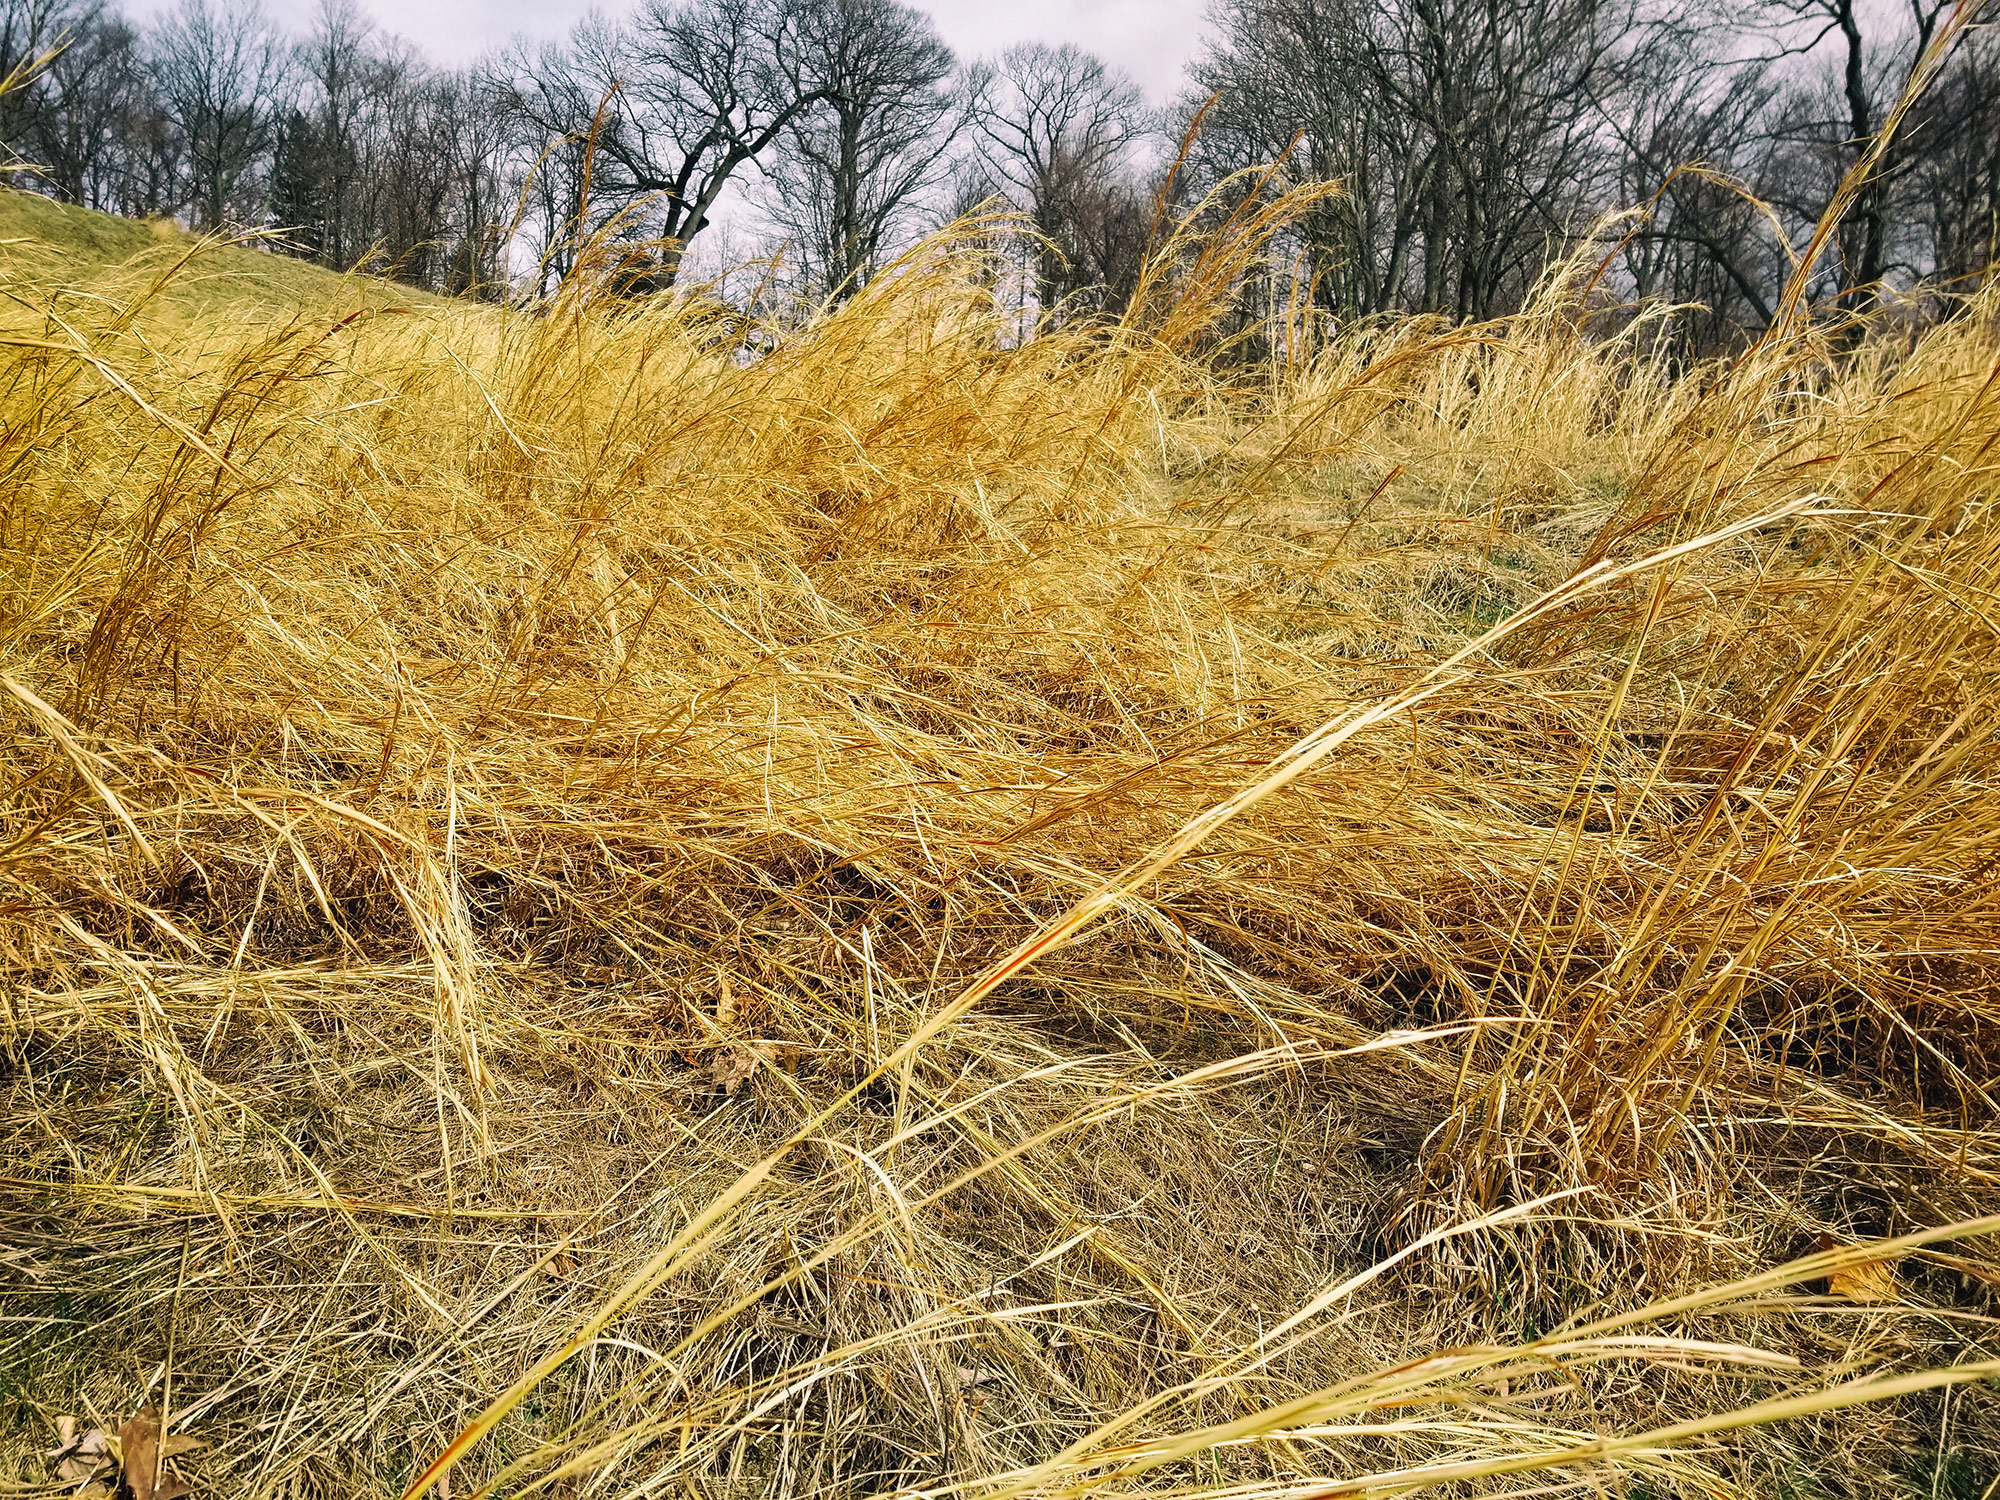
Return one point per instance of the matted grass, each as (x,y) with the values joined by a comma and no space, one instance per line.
(916,914)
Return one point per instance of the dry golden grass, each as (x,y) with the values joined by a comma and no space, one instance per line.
(919,915)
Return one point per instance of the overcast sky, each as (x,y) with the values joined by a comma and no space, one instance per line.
(1150,39)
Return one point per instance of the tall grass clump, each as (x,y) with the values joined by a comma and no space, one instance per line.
(586,913)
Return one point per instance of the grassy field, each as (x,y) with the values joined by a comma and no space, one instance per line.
(586,916)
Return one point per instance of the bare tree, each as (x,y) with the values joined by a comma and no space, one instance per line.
(1508,91)
(1954,177)
(324,140)
(544,101)
(1473,140)
(1695,151)
(72,116)
(671,106)
(1056,126)
(1309,72)
(29,29)
(1877,50)
(1111,224)
(71,126)
(1467,134)
(849,170)
(414,176)
(219,66)
(398,166)
(464,113)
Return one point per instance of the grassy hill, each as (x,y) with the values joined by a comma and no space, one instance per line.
(46,242)
(584,915)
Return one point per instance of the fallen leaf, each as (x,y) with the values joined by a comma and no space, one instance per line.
(141,1452)
(1866,1281)
(76,1470)
(1863,1281)
(78,1459)
(731,1067)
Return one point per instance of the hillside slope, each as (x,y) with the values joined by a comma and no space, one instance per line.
(52,243)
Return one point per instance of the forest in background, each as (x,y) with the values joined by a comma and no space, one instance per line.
(1474,142)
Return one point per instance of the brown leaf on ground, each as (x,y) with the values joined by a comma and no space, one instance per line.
(141,1452)
(733,1065)
(79,1458)
(1863,1281)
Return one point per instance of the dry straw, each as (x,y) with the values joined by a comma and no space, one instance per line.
(929,913)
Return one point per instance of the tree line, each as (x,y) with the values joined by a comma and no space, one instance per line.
(1474,141)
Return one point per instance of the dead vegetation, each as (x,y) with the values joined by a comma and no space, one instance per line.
(920,915)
